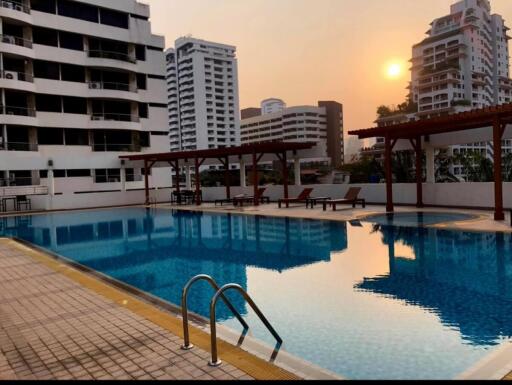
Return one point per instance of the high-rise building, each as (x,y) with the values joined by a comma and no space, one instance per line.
(81,83)
(463,64)
(202,84)
(322,124)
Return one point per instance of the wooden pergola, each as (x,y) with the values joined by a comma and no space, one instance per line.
(224,156)
(495,118)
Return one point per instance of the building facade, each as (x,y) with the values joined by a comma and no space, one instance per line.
(322,124)
(463,64)
(272,105)
(72,100)
(203,99)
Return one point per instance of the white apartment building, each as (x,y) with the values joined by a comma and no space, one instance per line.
(203,99)
(461,65)
(322,124)
(81,83)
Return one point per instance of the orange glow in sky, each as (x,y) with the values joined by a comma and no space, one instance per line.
(303,51)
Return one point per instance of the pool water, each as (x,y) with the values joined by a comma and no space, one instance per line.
(365,300)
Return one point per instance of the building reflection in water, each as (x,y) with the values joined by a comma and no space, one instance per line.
(462,277)
(159,251)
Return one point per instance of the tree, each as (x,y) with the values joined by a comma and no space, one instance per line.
(384,111)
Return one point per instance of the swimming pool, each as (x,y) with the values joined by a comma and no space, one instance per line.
(364,300)
(417,218)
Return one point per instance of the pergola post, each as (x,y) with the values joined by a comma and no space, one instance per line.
(498,130)
(146,181)
(177,170)
(431,164)
(284,160)
(227,178)
(255,179)
(188,177)
(419,171)
(198,183)
(389,175)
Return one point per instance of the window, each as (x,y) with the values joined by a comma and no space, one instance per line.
(107,175)
(78,10)
(50,136)
(113,18)
(143,110)
(140,52)
(72,73)
(141,81)
(74,105)
(144,139)
(45,36)
(71,41)
(46,70)
(48,6)
(48,103)
(76,137)
(78,173)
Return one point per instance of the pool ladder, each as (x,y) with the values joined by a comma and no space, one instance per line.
(219,294)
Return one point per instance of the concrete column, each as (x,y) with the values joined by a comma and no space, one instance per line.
(298,181)
(188,180)
(4,136)
(243,176)
(51,182)
(123,178)
(431,164)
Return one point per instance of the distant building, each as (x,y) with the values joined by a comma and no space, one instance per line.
(203,100)
(270,106)
(322,124)
(250,112)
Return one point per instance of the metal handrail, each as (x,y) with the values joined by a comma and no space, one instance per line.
(16,40)
(184,307)
(213,319)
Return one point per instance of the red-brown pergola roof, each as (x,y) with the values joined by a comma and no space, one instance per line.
(258,148)
(477,118)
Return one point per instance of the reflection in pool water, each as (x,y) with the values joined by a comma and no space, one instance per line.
(365,300)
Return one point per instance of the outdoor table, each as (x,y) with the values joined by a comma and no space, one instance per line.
(7,199)
(314,201)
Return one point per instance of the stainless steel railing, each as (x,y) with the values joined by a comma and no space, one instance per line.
(184,307)
(215,361)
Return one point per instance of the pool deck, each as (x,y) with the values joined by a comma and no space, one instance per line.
(59,323)
(484,220)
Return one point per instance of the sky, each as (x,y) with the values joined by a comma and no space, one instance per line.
(303,51)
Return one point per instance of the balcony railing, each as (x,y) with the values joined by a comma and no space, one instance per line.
(107,147)
(21,111)
(112,55)
(112,86)
(15,6)
(115,117)
(15,40)
(16,182)
(19,146)
(13,75)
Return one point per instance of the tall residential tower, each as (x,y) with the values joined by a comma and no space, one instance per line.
(203,101)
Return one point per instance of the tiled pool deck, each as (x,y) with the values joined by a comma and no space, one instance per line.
(59,323)
(53,326)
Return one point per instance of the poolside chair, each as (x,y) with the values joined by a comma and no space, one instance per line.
(230,200)
(303,196)
(22,200)
(352,197)
(250,199)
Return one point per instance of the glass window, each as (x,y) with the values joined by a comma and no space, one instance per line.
(75,137)
(74,105)
(78,10)
(48,103)
(46,70)
(45,36)
(71,41)
(50,136)
(113,18)
(48,6)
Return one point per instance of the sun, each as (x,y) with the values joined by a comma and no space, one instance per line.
(394,70)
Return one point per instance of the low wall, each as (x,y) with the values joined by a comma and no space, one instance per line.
(477,195)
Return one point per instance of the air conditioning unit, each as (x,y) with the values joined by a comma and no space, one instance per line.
(8,4)
(11,75)
(9,39)
(95,85)
(18,7)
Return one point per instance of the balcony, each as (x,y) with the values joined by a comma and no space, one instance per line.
(16,6)
(99,54)
(15,40)
(112,86)
(17,146)
(13,75)
(115,117)
(19,111)
(108,147)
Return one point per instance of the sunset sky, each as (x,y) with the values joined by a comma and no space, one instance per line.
(308,50)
